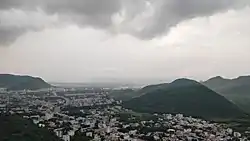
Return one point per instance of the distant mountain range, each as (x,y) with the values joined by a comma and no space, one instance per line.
(16,82)
(240,85)
(183,96)
(236,90)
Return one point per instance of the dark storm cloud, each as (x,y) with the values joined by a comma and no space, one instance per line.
(98,13)
(95,13)
(79,10)
(172,12)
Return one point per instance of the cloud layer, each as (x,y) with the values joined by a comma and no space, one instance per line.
(143,41)
(199,48)
(144,19)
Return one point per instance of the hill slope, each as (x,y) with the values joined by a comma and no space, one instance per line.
(15,82)
(236,90)
(15,128)
(240,85)
(127,94)
(123,94)
(187,97)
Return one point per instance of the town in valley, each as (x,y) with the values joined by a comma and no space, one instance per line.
(90,113)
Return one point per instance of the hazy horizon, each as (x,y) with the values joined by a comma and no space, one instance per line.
(143,41)
(124,82)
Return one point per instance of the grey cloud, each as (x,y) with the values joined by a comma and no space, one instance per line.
(81,11)
(95,13)
(172,12)
(92,12)
(23,4)
(9,35)
(85,7)
(98,13)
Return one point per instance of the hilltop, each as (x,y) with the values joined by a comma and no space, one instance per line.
(16,82)
(236,90)
(238,85)
(184,96)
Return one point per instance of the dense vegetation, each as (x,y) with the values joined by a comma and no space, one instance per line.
(15,128)
(123,94)
(187,97)
(236,90)
(15,82)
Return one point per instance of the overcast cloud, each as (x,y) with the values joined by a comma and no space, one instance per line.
(90,40)
(141,18)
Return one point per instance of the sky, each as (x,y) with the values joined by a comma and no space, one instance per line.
(125,40)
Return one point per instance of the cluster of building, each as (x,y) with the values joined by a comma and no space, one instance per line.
(89,99)
(100,118)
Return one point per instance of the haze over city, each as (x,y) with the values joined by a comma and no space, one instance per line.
(124,40)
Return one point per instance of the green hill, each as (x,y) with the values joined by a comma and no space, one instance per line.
(123,94)
(184,96)
(240,85)
(15,128)
(16,82)
(236,90)
(127,94)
